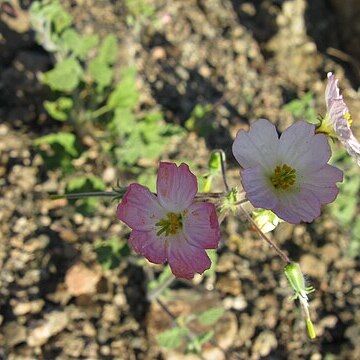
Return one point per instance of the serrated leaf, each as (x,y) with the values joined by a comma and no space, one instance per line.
(172,338)
(125,94)
(65,76)
(211,316)
(108,50)
(59,109)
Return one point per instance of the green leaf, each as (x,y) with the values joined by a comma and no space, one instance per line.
(60,150)
(66,140)
(123,122)
(303,108)
(59,109)
(172,338)
(109,50)
(78,45)
(194,346)
(65,76)
(212,253)
(211,316)
(101,72)
(125,94)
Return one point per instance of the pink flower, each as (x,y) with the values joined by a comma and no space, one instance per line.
(337,120)
(171,226)
(288,175)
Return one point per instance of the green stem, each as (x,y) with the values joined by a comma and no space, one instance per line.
(84,195)
(101,111)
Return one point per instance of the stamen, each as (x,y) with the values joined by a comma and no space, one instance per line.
(170,225)
(284,177)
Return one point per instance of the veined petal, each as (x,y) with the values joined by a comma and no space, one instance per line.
(150,245)
(201,226)
(315,153)
(258,188)
(332,91)
(139,208)
(176,186)
(297,207)
(257,146)
(296,144)
(337,111)
(185,259)
(352,146)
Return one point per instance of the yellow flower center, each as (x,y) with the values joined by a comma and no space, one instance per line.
(169,225)
(284,176)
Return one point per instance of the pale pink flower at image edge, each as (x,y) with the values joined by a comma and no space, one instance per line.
(171,225)
(288,175)
(338,119)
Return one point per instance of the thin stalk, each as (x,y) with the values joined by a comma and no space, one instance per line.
(84,195)
(155,293)
(283,256)
(101,111)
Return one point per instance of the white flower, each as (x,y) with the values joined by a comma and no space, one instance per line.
(287,175)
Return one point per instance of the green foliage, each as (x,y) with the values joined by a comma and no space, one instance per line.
(198,120)
(345,208)
(85,184)
(58,150)
(138,11)
(125,94)
(60,108)
(49,19)
(212,253)
(110,252)
(65,76)
(78,45)
(303,108)
(136,138)
(195,345)
(172,338)
(211,316)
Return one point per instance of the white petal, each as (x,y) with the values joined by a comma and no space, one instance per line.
(257,146)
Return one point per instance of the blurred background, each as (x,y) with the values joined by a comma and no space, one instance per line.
(95,92)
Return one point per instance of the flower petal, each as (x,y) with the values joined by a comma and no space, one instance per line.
(258,188)
(352,146)
(184,259)
(150,245)
(257,146)
(297,207)
(299,147)
(176,186)
(322,183)
(201,226)
(332,91)
(139,208)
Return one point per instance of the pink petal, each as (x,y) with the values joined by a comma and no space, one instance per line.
(201,226)
(150,245)
(176,186)
(184,259)
(336,112)
(258,146)
(139,208)
(258,188)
